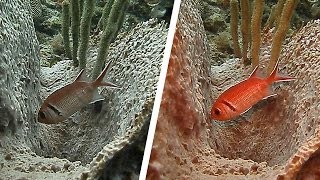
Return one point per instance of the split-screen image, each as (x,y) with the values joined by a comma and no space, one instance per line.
(155,89)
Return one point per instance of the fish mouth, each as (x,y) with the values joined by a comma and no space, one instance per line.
(43,119)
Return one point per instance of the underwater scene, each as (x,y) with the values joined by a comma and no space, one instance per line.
(78,80)
(241,95)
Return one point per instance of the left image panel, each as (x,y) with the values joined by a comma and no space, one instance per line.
(78,80)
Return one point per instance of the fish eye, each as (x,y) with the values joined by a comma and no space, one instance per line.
(42,115)
(217,111)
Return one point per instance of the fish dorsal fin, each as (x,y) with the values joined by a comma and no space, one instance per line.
(275,76)
(81,76)
(96,97)
(99,81)
(255,72)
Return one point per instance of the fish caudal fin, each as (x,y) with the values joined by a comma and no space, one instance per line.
(99,81)
(275,76)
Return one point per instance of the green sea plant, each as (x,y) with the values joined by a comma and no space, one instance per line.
(245,28)
(275,12)
(234,10)
(280,33)
(75,29)
(81,4)
(85,24)
(111,27)
(106,11)
(255,28)
(110,22)
(256,31)
(66,27)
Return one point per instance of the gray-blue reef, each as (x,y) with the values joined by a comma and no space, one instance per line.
(92,139)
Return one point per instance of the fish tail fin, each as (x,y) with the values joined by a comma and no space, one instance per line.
(99,81)
(275,76)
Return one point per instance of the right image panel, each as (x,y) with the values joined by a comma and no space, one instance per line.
(241,95)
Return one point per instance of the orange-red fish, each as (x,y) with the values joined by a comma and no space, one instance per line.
(241,97)
(69,99)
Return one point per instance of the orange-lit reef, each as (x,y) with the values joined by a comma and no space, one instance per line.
(277,138)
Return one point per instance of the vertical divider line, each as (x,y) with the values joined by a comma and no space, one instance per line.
(160,87)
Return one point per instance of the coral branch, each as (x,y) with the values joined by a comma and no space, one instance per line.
(256,31)
(75,28)
(245,28)
(275,13)
(65,27)
(280,33)
(106,11)
(111,28)
(85,31)
(234,10)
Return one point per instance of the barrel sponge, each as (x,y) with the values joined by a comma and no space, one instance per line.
(36,8)
(19,70)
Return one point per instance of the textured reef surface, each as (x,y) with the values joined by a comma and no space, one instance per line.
(277,139)
(105,142)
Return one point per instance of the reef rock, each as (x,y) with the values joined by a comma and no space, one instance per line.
(276,133)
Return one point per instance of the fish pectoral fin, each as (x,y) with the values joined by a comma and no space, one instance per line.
(270,93)
(55,109)
(96,97)
(245,111)
(110,84)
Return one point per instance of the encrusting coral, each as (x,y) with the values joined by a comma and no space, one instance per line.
(278,137)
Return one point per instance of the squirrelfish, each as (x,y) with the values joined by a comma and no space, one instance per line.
(241,97)
(69,99)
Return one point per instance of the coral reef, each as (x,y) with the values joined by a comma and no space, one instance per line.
(277,138)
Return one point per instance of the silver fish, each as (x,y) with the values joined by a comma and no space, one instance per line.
(69,99)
